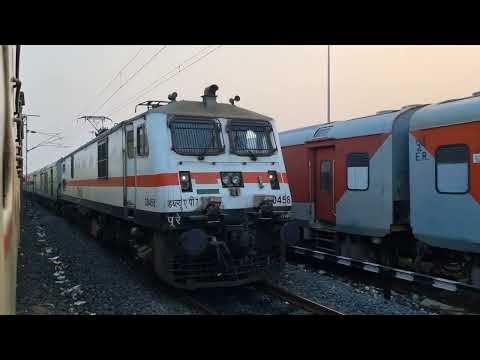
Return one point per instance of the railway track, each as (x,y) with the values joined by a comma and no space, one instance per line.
(299,301)
(389,276)
(139,254)
(197,305)
(201,307)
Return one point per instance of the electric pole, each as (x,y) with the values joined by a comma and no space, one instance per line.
(25,117)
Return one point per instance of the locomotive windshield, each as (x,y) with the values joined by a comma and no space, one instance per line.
(251,138)
(197,137)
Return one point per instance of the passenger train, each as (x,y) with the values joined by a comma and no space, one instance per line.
(400,187)
(11,138)
(201,183)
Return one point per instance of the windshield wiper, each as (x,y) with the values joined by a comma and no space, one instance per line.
(204,151)
(252,155)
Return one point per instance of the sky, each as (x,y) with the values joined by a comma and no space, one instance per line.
(288,83)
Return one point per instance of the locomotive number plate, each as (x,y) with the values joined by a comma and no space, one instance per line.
(283,200)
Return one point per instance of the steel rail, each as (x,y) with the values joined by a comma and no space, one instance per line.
(387,272)
(299,301)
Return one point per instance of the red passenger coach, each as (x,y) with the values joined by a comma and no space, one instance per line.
(347,176)
(400,187)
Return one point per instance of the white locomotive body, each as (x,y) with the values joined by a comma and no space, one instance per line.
(205,182)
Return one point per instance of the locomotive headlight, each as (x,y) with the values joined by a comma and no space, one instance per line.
(185,181)
(236,180)
(231,179)
(226,179)
(273,177)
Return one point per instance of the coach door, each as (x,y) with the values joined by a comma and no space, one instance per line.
(129,169)
(325,184)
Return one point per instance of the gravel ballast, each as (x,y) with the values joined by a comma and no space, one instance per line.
(62,270)
(347,298)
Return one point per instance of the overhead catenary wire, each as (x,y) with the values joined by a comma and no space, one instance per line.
(51,140)
(118,74)
(176,71)
(141,92)
(131,77)
(41,132)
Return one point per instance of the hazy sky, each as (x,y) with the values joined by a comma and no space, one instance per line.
(287,83)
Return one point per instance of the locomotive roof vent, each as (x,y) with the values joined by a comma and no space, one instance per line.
(476,93)
(209,97)
(410,106)
(384,112)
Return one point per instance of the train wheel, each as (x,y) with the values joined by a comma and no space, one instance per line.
(121,236)
(162,254)
(342,245)
(387,256)
(475,272)
(107,230)
(95,228)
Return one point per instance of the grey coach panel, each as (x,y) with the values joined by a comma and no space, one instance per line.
(400,159)
(441,220)
(447,113)
(370,125)
(370,212)
(297,136)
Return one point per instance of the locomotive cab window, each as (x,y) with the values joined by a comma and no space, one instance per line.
(103,159)
(358,171)
(452,171)
(251,138)
(325,175)
(130,147)
(196,137)
(142,146)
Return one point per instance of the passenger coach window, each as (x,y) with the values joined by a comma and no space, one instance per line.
(357,171)
(103,159)
(142,147)
(452,169)
(325,175)
(130,149)
(71,167)
(196,137)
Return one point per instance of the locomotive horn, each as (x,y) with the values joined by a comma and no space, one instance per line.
(173,96)
(233,100)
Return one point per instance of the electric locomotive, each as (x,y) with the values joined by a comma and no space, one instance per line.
(200,186)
